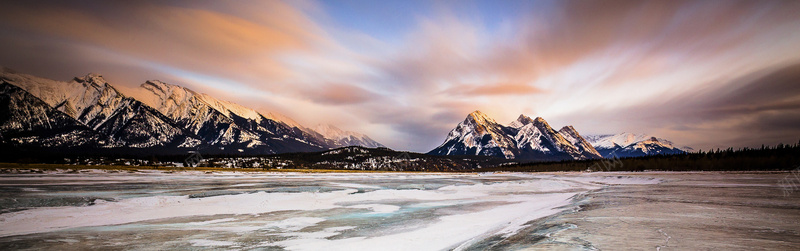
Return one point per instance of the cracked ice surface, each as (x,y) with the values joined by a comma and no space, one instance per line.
(360,211)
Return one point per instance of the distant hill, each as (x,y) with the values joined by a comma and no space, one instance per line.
(632,145)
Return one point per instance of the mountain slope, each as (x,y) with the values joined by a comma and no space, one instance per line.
(163,115)
(26,120)
(94,103)
(524,138)
(220,122)
(584,147)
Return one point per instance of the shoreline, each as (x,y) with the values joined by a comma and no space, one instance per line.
(17,166)
(6,167)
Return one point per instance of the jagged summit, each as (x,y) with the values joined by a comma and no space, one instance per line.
(478,113)
(158,86)
(478,134)
(524,138)
(621,139)
(572,135)
(521,121)
(480,118)
(91,79)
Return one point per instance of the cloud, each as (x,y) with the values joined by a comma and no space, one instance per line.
(495,89)
(202,40)
(690,70)
(760,108)
(340,94)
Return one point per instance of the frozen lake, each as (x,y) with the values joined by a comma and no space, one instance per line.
(349,211)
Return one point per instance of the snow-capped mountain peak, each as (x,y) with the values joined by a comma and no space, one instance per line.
(330,131)
(480,118)
(647,145)
(164,97)
(90,99)
(521,121)
(92,79)
(50,91)
(621,139)
(159,94)
(539,136)
(572,135)
(169,98)
(478,134)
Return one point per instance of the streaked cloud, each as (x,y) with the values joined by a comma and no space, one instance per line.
(703,73)
(495,89)
(339,94)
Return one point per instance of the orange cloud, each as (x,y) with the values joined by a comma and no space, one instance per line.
(201,40)
(495,89)
(605,57)
(339,94)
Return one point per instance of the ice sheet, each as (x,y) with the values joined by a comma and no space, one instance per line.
(322,211)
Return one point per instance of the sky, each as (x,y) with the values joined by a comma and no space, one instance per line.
(705,74)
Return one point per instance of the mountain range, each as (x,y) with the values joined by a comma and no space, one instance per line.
(88,112)
(91,114)
(534,140)
(522,139)
(632,145)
